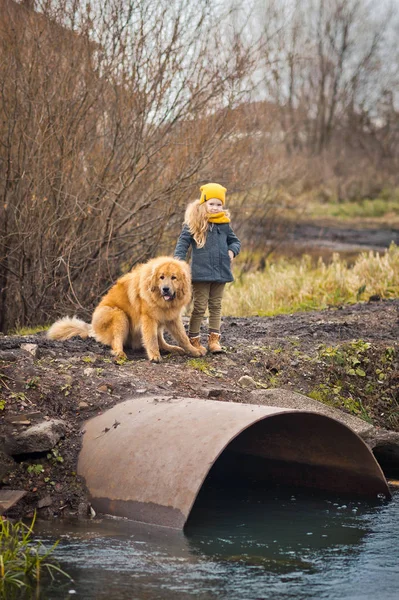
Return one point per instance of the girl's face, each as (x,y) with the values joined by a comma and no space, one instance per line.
(213,205)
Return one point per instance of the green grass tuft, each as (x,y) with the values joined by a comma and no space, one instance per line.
(23,561)
(202,365)
(28,330)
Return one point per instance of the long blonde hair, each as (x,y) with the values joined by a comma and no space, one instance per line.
(196,219)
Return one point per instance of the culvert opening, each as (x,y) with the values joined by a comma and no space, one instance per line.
(387,456)
(303,451)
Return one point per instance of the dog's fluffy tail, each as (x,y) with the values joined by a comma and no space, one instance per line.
(67,328)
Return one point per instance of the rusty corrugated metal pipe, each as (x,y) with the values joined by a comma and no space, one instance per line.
(147,458)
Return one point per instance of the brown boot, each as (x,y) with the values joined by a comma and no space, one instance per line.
(196,342)
(213,343)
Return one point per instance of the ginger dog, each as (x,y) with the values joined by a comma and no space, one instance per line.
(137,309)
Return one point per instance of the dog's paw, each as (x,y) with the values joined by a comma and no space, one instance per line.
(119,355)
(176,350)
(197,352)
(155,359)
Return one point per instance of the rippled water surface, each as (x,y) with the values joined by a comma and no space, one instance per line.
(281,544)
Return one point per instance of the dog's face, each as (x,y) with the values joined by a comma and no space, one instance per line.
(171,280)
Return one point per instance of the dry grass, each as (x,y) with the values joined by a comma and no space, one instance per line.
(289,286)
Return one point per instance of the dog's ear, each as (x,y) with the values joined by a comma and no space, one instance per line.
(185,289)
(154,284)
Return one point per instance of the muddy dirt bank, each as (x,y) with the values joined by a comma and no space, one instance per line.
(341,238)
(347,357)
(322,237)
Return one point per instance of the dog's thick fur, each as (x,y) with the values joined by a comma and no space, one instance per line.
(137,309)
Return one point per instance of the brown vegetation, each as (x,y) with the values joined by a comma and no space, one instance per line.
(111,117)
(107,119)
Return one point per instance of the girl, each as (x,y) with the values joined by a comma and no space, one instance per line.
(214,246)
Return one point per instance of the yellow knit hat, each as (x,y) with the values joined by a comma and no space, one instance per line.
(212,190)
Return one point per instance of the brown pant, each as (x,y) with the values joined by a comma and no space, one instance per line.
(207,294)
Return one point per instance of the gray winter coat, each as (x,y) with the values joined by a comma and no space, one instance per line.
(212,262)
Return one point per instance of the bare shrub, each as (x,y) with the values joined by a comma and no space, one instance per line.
(113,113)
(109,116)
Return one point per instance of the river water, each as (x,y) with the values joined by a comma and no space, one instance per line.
(277,544)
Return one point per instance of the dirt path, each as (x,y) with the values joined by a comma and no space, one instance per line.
(312,353)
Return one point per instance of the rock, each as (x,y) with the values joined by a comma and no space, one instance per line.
(247,382)
(385,445)
(10,497)
(383,437)
(288,399)
(38,438)
(32,349)
(83,509)
(89,371)
(213,392)
(44,502)
(21,418)
(7,356)
(6,464)
(83,405)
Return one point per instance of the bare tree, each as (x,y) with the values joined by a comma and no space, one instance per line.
(328,66)
(110,114)
(113,113)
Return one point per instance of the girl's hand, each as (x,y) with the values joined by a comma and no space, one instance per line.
(231,254)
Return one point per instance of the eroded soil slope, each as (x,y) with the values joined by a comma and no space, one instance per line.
(347,357)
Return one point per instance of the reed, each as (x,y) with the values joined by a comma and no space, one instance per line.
(23,561)
(287,286)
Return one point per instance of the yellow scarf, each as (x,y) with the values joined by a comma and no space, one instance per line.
(219,217)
